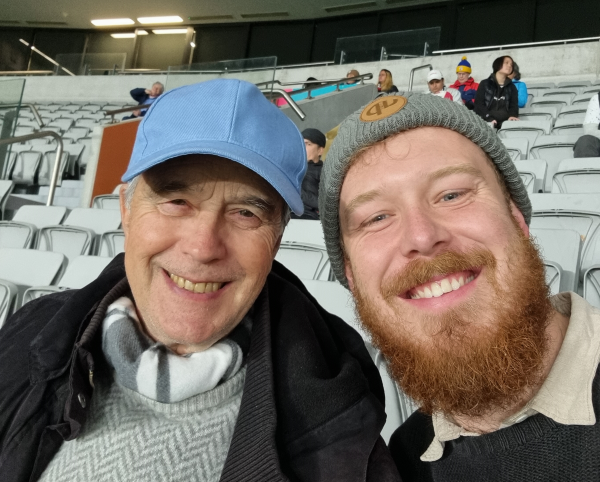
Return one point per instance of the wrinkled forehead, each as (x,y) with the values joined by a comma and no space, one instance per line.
(194,171)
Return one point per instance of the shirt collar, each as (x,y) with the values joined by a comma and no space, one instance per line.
(566,394)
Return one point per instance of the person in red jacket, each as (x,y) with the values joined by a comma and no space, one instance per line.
(465,84)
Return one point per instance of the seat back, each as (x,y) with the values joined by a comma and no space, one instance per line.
(563,248)
(568,91)
(47,166)
(582,99)
(517,147)
(305,261)
(98,220)
(26,166)
(68,240)
(112,243)
(106,201)
(553,147)
(40,216)
(8,294)
(568,125)
(16,235)
(533,174)
(304,231)
(6,188)
(570,112)
(530,130)
(553,275)
(82,270)
(591,285)
(30,267)
(580,175)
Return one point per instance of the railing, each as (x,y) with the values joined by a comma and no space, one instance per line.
(112,113)
(412,74)
(318,83)
(32,107)
(26,72)
(528,44)
(59,151)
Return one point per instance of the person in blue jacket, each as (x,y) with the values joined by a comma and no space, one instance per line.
(521,86)
(144,97)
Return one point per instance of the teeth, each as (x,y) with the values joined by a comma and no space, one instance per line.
(438,288)
(195,287)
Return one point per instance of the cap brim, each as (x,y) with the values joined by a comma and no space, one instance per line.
(246,157)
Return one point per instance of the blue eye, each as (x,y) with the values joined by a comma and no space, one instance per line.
(451,196)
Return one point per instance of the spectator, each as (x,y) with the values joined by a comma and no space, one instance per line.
(521,86)
(310,82)
(314,141)
(195,357)
(426,221)
(588,145)
(386,82)
(436,84)
(144,97)
(497,97)
(465,84)
(351,74)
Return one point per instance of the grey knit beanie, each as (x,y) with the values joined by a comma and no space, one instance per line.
(386,116)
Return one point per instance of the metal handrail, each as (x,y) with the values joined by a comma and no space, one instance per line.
(59,151)
(27,72)
(112,113)
(32,107)
(412,74)
(527,44)
(336,82)
(291,102)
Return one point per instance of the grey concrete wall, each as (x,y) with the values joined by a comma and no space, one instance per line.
(546,63)
(327,111)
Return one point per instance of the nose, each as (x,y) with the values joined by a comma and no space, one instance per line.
(202,238)
(422,234)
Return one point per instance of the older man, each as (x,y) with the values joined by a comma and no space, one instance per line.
(145,97)
(428,227)
(195,357)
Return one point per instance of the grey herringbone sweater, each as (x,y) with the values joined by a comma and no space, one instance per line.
(131,438)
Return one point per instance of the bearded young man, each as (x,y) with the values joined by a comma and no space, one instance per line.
(426,222)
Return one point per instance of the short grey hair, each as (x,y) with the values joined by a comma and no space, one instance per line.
(130,189)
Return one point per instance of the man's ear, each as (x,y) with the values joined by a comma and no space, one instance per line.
(349,275)
(124,211)
(518,215)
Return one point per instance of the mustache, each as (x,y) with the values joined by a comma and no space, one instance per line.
(419,271)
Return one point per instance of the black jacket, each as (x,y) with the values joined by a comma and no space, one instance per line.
(311,410)
(310,189)
(493,102)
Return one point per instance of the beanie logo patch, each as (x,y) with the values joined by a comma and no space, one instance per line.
(382,108)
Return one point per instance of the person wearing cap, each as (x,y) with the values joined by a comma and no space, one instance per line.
(465,84)
(314,141)
(436,85)
(195,356)
(426,222)
(588,145)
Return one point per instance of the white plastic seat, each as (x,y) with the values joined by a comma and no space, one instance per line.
(574,83)
(75,151)
(577,212)
(517,147)
(91,107)
(580,175)
(539,114)
(591,90)
(117,190)
(86,142)
(8,294)
(570,91)
(576,111)
(553,147)
(106,201)
(529,130)
(582,99)
(553,275)
(591,285)
(112,243)
(30,267)
(561,247)
(47,165)
(9,165)
(558,100)
(64,123)
(305,261)
(26,166)
(569,126)
(6,188)
(16,235)
(70,108)
(533,174)
(40,216)
(304,231)
(552,109)
(86,122)
(40,141)
(23,130)
(541,85)
(77,132)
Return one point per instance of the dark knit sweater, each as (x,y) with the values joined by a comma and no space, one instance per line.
(537,449)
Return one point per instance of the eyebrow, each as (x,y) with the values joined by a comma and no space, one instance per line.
(162,186)
(439,174)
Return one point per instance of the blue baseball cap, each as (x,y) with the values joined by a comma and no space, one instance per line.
(226,118)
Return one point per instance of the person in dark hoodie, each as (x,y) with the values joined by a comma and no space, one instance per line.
(314,141)
(497,98)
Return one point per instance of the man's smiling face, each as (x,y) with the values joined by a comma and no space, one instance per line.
(201,233)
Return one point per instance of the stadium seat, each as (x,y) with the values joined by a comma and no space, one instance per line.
(571,92)
(106,201)
(578,212)
(558,100)
(29,267)
(64,123)
(304,231)
(569,126)
(25,168)
(47,166)
(8,294)
(529,129)
(20,232)
(582,99)
(16,235)
(541,85)
(517,147)
(80,272)
(40,141)
(112,243)
(553,275)
(539,113)
(561,247)
(75,155)
(23,130)
(86,122)
(6,188)
(591,285)
(117,190)
(576,111)
(533,174)
(77,132)
(580,175)
(553,147)
(574,83)
(305,261)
